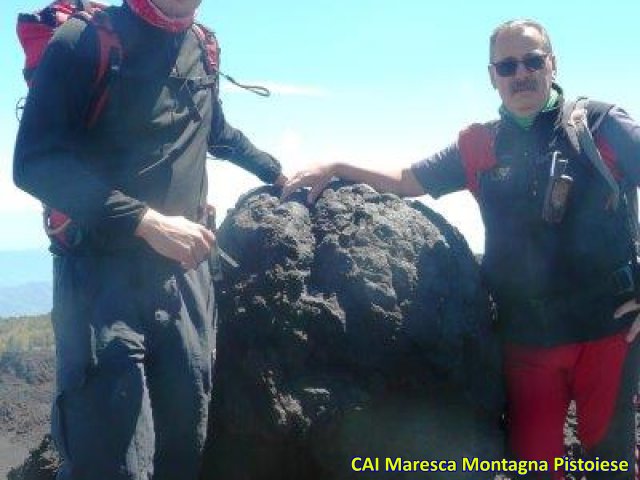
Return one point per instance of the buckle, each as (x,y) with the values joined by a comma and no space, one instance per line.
(622,280)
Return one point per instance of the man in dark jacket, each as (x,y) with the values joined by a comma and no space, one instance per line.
(134,306)
(562,281)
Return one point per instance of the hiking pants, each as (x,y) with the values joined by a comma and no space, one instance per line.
(601,376)
(134,349)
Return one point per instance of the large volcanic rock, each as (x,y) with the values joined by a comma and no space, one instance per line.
(356,327)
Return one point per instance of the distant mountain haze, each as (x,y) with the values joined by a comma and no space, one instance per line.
(18,267)
(25,282)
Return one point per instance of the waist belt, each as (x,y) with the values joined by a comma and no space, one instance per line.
(619,283)
(564,317)
(622,281)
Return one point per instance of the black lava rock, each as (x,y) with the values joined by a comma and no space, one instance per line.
(355,327)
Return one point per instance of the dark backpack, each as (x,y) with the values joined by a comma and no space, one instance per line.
(35,30)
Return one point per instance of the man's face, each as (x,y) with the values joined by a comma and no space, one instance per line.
(524,90)
(177,8)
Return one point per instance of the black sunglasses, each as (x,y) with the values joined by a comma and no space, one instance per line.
(509,66)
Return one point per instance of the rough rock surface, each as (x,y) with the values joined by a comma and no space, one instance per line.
(357,327)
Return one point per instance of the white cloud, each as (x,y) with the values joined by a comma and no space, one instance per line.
(290,141)
(13,199)
(291,148)
(226,183)
(461,210)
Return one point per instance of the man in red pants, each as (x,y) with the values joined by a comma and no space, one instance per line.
(561,266)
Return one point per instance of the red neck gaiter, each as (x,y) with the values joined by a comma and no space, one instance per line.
(146,10)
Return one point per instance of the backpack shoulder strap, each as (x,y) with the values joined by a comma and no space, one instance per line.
(568,108)
(575,121)
(596,113)
(110,56)
(477,151)
(210,48)
(210,57)
(582,121)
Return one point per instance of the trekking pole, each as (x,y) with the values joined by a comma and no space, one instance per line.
(636,404)
(217,253)
(214,257)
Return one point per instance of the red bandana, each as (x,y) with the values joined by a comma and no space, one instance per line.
(146,10)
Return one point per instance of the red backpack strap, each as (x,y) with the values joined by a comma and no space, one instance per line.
(109,60)
(210,48)
(477,150)
(110,54)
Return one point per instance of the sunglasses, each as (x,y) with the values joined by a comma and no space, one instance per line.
(509,66)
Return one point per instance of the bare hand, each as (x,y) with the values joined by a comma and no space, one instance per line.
(316,179)
(177,238)
(628,307)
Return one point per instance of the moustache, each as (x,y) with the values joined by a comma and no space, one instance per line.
(524,85)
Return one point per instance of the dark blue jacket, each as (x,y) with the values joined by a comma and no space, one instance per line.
(149,145)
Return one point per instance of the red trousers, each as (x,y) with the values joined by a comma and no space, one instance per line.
(601,376)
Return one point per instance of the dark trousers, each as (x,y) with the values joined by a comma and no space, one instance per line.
(135,349)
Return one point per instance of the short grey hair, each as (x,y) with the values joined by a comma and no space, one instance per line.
(519,24)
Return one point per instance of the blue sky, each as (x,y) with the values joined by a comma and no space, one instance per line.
(376,83)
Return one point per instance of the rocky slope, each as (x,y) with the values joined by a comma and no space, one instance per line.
(26,386)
